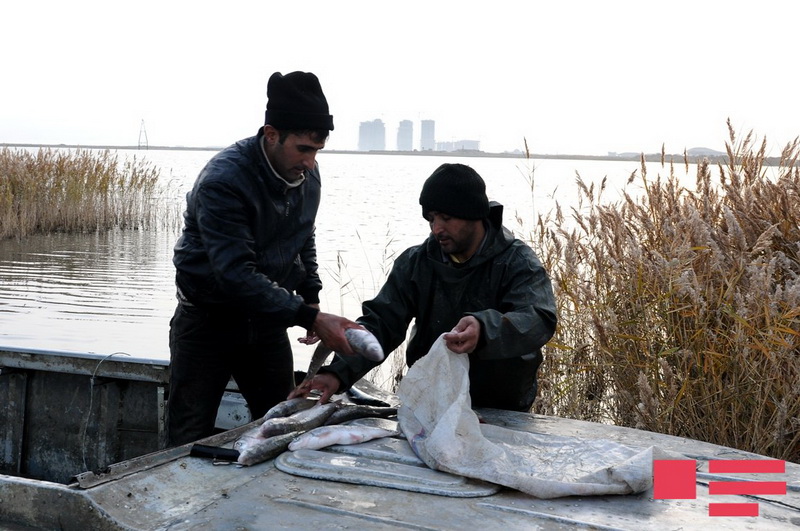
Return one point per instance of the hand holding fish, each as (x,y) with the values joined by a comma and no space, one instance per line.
(361,341)
(463,339)
(330,330)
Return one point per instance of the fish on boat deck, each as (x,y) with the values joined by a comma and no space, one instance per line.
(290,407)
(290,419)
(273,436)
(302,421)
(254,449)
(360,397)
(338,434)
(348,412)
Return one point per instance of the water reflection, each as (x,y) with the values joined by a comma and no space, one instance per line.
(103,293)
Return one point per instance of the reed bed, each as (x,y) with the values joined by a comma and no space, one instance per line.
(679,305)
(77,191)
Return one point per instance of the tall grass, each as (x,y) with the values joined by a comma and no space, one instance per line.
(76,191)
(387,375)
(679,306)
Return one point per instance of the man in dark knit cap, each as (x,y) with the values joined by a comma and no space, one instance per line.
(472,281)
(246,264)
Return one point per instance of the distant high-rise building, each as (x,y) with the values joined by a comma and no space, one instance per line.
(405,136)
(372,136)
(427,139)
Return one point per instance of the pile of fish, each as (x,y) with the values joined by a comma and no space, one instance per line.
(305,423)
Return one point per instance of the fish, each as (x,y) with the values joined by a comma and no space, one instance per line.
(289,407)
(272,437)
(361,341)
(338,434)
(321,353)
(301,421)
(364,343)
(348,412)
(375,422)
(254,449)
(360,397)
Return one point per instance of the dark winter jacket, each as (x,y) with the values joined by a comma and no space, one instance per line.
(504,286)
(248,240)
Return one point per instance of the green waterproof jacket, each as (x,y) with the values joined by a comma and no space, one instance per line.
(504,286)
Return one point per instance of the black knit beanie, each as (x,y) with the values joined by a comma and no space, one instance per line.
(296,102)
(456,190)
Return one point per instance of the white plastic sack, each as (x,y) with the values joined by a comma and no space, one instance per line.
(437,419)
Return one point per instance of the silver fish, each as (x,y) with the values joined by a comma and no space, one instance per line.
(349,412)
(321,353)
(360,397)
(338,434)
(375,422)
(290,407)
(302,421)
(255,449)
(364,343)
(361,341)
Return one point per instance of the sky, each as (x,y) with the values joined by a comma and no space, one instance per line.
(567,77)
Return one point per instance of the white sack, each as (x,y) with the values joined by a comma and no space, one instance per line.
(437,419)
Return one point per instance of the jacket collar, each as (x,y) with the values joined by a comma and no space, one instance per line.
(272,178)
(293,184)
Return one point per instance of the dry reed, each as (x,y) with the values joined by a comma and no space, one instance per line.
(388,375)
(679,308)
(76,191)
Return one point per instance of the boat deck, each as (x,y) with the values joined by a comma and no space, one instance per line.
(171,490)
(67,417)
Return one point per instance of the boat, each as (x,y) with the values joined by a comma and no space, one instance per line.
(83,448)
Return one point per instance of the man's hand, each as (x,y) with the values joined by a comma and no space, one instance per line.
(330,329)
(311,337)
(463,339)
(328,384)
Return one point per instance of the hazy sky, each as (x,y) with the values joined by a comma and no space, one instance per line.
(582,77)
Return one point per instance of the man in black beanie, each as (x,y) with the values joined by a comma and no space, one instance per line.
(246,264)
(472,281)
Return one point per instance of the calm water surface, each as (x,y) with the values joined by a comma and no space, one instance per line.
(114,293)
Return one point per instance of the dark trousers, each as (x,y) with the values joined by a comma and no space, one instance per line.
(206,349)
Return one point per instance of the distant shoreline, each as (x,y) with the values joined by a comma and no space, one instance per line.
(649,157)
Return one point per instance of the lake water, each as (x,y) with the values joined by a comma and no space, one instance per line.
(114,293)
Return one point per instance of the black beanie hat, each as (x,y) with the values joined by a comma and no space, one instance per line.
(296,102)
(456,190)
